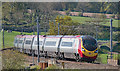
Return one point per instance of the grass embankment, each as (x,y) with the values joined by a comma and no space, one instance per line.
(84,19)
(103,57)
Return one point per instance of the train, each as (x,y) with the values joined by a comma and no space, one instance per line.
(78,47)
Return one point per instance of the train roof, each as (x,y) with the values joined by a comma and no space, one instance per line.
(18,36)
(88,37)
(49,36)
(64,36)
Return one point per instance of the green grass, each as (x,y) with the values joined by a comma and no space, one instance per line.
(0,39)
(9,37)
(84,19)
(103,58)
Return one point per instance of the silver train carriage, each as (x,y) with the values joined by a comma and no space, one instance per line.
(59,46)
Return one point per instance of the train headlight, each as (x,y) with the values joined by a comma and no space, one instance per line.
(96,51)
(83,49)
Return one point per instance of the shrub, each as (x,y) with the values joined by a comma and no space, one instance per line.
(112,16)
(12,60)
(80,14)
(53,67)
(104,49)
(116,47)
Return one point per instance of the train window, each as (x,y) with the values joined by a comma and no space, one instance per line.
(40,43)
(67,44)
(28,42)
(20,41)
(89,43)
(50,43)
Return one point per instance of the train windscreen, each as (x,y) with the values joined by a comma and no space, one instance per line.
(89,43)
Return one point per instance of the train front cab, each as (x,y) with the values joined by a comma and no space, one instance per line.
(88,52)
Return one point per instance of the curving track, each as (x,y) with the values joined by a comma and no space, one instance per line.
(69,63)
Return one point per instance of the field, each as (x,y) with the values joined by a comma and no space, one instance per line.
(84,19)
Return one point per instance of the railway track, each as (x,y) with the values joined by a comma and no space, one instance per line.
(66,60)
(11,48)
(48,57)
(69,63)
(72,64)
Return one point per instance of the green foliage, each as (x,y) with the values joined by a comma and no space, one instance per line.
(112,16)
(102,16)
(116,47)
(12,60)
(102,58)
(53,67)
(106,34)
(80,14)
(66,26)
(36,67)
(68,12)
(103,49)
(118,15)
(116,36)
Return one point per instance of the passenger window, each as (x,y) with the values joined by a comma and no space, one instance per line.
(20,41)
(67,44)
(40,43)
(50,43)
(28,42)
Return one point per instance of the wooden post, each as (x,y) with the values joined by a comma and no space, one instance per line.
(51,62)
(43,64)
(63,66)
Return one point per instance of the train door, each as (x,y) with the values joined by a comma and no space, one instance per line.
(27,45)
(21,41)
(35,44)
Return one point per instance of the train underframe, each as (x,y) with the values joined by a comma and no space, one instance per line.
(60,55)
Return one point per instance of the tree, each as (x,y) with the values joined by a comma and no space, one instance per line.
(67,26)
(118,15)
(97,20)
(112,16)
(68,12)
(80,14)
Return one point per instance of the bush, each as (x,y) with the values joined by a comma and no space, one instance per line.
(102,16)
(104,49)
(116,47)
(36,67)
(112,16)
(118,15)
(53,67)
(12,60)
(80,14)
